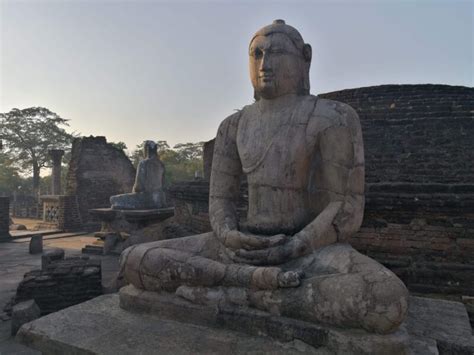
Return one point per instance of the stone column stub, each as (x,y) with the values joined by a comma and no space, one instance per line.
(56,156)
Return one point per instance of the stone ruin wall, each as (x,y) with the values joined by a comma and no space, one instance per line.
(97,171)
(4,217)
(419,214)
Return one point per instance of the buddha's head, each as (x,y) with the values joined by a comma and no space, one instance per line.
(279,61)
(150,149)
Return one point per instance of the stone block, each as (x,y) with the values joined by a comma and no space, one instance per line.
(430,321)
(111,241)
(36,244)
(100,326)
(22,313)
(178,327)
(50,256)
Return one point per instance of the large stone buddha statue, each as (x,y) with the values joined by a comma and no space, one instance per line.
(303,158)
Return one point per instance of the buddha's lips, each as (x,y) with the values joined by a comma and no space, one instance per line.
(266,77)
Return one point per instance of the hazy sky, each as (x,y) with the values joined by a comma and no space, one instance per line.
(173,71)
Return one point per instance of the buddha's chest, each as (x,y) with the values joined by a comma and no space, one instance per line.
(273,148)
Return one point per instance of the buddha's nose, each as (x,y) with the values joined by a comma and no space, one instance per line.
(265,64)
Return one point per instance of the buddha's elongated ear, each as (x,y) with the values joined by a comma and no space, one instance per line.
(307,52)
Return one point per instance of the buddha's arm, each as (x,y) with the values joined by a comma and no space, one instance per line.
(340,182)
(225,179)
(140,178)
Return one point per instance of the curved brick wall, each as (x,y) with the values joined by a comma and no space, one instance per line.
(419,151)
(420,134)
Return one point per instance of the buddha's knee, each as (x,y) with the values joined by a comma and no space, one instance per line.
(387,302)
(130,260)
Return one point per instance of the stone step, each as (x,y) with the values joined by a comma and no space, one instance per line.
(433,327)
(49,236)
(93,249)
(100,326)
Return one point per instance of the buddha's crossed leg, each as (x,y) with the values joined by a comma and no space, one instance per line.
(198,260)
(341,286)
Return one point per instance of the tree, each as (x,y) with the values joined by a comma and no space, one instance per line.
(119,145)
(28,134)
(9,177)
(189,151)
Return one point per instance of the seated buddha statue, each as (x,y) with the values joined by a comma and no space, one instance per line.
(147,192)
(303,158)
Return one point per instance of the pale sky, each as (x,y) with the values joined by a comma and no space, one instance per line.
(173,71)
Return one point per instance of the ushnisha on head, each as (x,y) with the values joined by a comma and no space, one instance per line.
(150,149)
(279,61)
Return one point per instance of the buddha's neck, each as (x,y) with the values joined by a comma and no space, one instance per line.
(278,103)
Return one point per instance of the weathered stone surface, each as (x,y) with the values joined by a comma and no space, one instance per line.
(51,256)
(432,325)
(100,326)
(36,244)
(160,324)
(22,313)
(303,160)
(111,244)
(97,170)
(138,200)
(252,322)
(207,153)
(56,156)
(61,284)
(123,228)
(4,218)
(147,191)
(443,321)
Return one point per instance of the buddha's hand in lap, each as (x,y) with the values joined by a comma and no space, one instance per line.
(274,255)
(236,240)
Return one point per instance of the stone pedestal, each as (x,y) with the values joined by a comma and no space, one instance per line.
(4,218)
(161,323)
(118,226)
(116,221)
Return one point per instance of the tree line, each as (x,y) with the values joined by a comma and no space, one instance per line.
(27,135)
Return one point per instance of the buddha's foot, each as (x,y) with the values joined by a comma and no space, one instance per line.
(290,278)
(214,295)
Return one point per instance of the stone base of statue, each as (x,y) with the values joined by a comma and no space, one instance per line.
(142,322)
(118,227)
(138,201)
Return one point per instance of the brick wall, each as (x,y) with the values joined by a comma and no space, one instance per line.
(97,171)
(419,152)
(69,218)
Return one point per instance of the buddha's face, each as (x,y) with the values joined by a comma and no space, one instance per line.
(277,67)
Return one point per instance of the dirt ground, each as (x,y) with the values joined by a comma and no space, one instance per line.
(29,223)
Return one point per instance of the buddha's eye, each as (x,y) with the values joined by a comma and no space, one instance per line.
(257,53)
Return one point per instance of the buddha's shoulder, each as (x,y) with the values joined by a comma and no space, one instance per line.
(330,113)
(336,111)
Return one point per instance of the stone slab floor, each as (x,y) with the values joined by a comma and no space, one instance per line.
(15,261)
